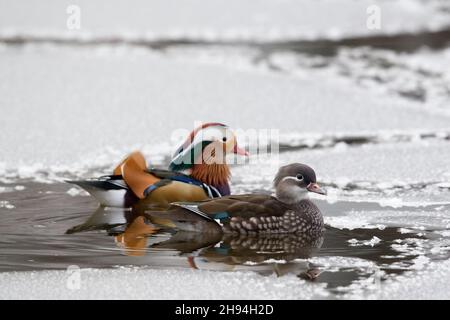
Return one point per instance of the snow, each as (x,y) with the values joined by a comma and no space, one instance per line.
(421,77)
(217,20)
(370,172)
(372,242)
(384,163)
(6,205)
(428,284)
(142,283)
(342,262)
(82,88)
(407,217)
(76,192)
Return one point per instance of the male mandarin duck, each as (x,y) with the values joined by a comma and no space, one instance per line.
(198,171)
(290,211)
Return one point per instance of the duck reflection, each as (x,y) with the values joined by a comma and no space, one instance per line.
(130,229)
(267,253)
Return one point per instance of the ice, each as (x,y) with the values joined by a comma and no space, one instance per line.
(372,242)
(430,283)
(445,233)
(219,20)
(2,168)
(373,172)
(140,90)
(6,205)
(5,189)
(142,283)
(76,192)
(410,218)
(351,221)
(341,262)
(421,77)
(405,230)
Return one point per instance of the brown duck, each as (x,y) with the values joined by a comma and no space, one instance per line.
(290,211)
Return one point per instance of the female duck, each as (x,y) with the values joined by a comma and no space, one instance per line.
(289,212)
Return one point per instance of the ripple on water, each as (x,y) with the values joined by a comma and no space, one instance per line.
(364,242)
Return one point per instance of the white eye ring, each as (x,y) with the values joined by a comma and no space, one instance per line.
(299,177)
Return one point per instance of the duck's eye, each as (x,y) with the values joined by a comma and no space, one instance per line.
(224,139)
(299,177)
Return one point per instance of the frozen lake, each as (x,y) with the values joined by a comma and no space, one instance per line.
(369,110)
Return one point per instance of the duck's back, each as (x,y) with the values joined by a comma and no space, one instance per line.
(244,206)
(254,214)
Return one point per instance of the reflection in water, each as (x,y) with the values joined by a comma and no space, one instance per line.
(268,254)
(129,228)
(225,252)
(232,252)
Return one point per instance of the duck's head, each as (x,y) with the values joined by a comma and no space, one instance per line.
(207,144)
(294,181)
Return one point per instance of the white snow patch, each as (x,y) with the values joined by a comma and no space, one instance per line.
(325,105)
(412,219)
(74,192)
(392,202)
(6,204)
(5,189)
(372,242)
(352,221)
(428,283)
(336,262)
(139,283)
(445,233)
(219,20)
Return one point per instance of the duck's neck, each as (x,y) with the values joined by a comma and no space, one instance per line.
(291,196)
(216,175)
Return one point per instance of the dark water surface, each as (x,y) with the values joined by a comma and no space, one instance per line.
(50,229)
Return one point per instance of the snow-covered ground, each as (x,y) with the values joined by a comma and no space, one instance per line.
(95,105)
(138,283)
(373,123)
(219,20)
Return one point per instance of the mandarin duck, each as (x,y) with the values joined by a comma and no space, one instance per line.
(197,171)
(288,212)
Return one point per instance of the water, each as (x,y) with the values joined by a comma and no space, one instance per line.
(50,227)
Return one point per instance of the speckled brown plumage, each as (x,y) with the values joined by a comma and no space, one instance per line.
(252,214)
(291,212)
(259,214)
